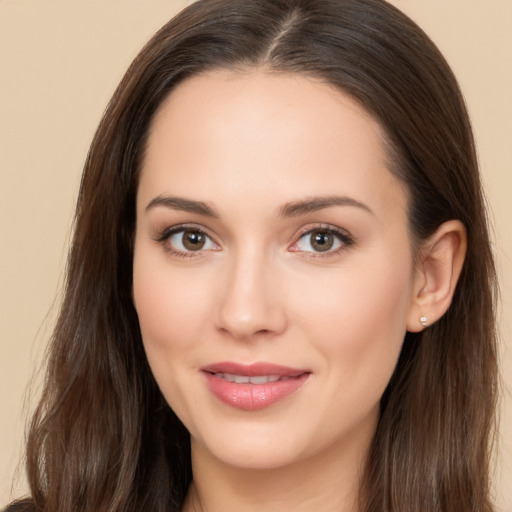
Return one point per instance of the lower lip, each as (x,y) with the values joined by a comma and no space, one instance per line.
(252,397)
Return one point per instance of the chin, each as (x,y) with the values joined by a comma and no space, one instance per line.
(258,454)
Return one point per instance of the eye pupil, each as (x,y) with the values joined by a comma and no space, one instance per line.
(193,240)
(322,241)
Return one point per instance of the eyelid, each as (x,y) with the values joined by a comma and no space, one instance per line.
(346,239)
(164,235)
(343,236)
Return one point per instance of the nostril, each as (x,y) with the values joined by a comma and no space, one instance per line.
(249,315)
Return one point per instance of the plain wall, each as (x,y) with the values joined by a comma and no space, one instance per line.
(59,64)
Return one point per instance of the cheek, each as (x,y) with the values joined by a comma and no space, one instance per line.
(357,319)
(170,304)
(171,307)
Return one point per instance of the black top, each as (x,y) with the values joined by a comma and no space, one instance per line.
(20,506)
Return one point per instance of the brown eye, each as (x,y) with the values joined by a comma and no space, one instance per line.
(321,241)
(193,240)
(187,241)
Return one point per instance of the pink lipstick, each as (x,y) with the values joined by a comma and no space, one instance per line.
(255,386)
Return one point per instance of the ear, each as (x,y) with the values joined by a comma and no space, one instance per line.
(440,263)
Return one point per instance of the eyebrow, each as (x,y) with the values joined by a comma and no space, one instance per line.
(292,209)
(186,205)
(308,205)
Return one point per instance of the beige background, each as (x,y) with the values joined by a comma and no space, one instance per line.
(59,63)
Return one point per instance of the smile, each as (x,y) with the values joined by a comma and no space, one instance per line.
(252,387)
(245,379)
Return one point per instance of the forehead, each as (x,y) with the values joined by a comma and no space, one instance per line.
(258,132)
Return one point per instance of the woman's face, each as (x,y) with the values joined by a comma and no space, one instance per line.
(273,273)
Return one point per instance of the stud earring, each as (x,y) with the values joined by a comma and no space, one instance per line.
(423,320)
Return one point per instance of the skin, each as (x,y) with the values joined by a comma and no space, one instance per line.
(246,144)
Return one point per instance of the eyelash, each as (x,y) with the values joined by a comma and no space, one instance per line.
(167,233)
(343,237)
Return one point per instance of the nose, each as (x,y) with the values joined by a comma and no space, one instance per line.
(251,302)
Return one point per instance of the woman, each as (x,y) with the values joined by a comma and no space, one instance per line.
(280,289)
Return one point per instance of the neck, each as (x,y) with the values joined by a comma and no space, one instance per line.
(327,482)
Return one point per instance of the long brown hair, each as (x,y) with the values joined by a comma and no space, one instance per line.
(103,438)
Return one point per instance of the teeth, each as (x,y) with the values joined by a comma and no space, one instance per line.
(244,379)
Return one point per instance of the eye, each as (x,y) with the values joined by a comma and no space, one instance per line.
(183,241)
(322,240)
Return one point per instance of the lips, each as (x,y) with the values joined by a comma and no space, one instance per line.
(255,386)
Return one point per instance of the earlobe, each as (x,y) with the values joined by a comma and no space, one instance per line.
(437,272)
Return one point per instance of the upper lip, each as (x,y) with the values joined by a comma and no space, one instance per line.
(253,369)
